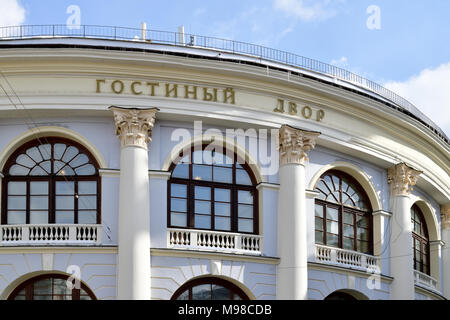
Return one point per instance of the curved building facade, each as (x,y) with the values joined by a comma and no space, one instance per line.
(145,169)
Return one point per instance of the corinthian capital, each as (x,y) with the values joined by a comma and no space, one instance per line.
(134,126)
(445,216)
(402,179)
(294,143)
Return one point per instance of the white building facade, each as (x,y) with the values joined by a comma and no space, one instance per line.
(166,171)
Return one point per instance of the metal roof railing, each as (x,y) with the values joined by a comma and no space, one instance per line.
(230,46)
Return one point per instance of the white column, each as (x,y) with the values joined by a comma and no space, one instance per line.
(401,179)
(445,223)
(292,275)
(134,129)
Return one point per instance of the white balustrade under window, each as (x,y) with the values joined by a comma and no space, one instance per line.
(425,280)
(346,258)
(28,234)
(214,240)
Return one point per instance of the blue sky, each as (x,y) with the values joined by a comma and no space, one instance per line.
(409,53)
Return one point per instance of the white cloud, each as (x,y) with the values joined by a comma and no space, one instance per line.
(429,92)
(11,13)
(341,62)
(306,10)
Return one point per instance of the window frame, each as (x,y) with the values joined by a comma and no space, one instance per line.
(51,178)
(424,241)
(233,187)
(28,285)
(234,289)
(342,208)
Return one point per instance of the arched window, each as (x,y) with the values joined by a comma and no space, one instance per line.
(209,288)
(339,295)
(51,180)
(51,287)
(343,215)
(421,243)
(210,190)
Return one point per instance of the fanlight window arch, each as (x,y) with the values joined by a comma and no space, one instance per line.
(51,180)
(343,215)
(212,190)
(52,287)
(209,288)
(421,242)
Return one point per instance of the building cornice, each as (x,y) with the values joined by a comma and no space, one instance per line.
(58,249)
(213,255)
(348,271)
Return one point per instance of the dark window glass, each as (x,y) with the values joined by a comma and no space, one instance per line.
(51,287)
(343,216)
(213,191)
(209,289)
(421,243)
(51,180)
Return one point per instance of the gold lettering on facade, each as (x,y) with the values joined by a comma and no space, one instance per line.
(228,94)
(280,106)
(98,84)
(306,111)
(207,96)
(192,92)
(292,108)
(114,87)
(320,115)
(152,86)
(133,87)
(173,90)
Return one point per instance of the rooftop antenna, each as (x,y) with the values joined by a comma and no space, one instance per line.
(181,35)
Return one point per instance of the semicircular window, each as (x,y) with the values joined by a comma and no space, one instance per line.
(52,287)
(343,215)
(51,180)
(209,288)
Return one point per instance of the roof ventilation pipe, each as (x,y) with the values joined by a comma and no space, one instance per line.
(143,31)
(181,35)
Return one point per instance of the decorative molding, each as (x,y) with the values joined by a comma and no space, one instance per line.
(402,179)
(346,271)
(268,185)
(437,243)
(382,213)
(294,143)
(213,255)
(445,216)
(134,126)
(109,172)
(311,194)
(59,250)
(159,174)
